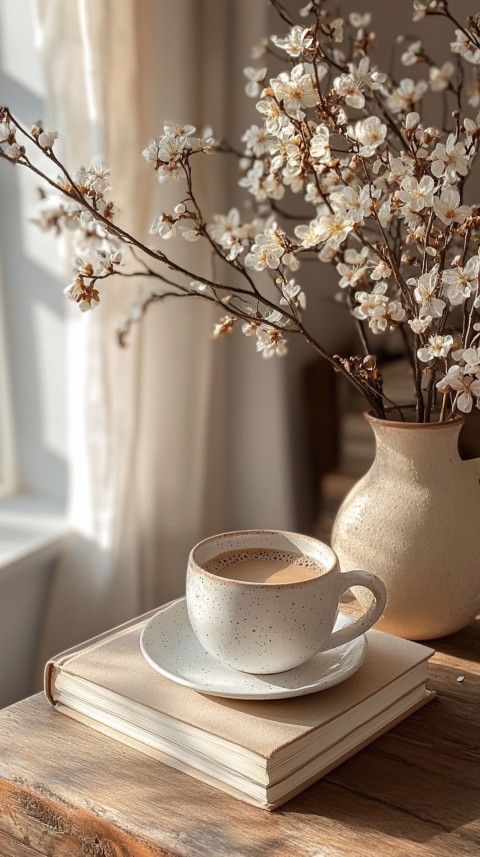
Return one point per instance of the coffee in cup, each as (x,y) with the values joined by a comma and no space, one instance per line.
(266,601)
(264,565)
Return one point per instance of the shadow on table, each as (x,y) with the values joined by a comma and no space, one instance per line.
(421,780)
(465,644)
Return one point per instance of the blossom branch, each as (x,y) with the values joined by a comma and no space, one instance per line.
(383,202)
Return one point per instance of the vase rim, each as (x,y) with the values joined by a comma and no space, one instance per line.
(404,424)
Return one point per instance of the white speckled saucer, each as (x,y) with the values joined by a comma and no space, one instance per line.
(170,646)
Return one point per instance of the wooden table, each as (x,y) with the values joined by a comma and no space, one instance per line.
(66,791)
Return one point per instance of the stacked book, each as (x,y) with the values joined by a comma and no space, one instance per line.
(263,751)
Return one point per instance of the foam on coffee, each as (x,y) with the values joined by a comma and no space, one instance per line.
(264,565)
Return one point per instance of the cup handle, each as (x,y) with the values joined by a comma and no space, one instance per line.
(363,623)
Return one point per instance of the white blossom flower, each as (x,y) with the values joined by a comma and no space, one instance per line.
(320,145)
(393,313)
(378,308)
(471,358)
(463,46)
(223,226)
(14,151)
(166,153)
(472,126)
(171,148)
(262,186)
(290,261)
(441,78)
(354,202)
(170,172)
(86,297)
(406,95)
(369,301)
(7,133)
(224,327)
(292,294)
(425,294)
(228,232)
(270,340)
(336,29)
(370,133)
(421,8)
(194,235)
(360,20)
(46,139)
(249,328)
(87,304)
(448,207)
(412,121)
(255,77)
(267,250)
(175,129)
(462,282)
(413,54)
(420,325)
(298,40)
(369,77)
(334,228)
(164,225)
(98,177)
(451,160)
(350,88)
(285,147)
(465,386)
(309,235)
(150,153)
(438,346)
(417,194)
(399,168)
(292,177)
(106,209)
(381,271)
(296,89)
(256,140)
(275,118)
(107,259)
(354,267)
(83,268)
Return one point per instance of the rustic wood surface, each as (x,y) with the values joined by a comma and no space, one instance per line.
(66,791)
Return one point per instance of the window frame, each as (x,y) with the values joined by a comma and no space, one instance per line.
(8,460)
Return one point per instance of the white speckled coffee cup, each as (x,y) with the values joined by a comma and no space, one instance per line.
(272,627)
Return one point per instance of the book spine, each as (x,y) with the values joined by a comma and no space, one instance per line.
(53,665)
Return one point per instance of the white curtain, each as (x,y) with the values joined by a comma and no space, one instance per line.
(176,436)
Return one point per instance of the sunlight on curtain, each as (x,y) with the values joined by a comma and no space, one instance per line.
(172,438)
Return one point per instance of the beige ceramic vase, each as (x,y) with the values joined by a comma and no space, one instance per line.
(413,520)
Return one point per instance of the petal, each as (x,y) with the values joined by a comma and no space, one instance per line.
(465,402)
(438,168)
(424,355)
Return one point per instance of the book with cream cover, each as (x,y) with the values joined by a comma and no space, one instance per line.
(263,752)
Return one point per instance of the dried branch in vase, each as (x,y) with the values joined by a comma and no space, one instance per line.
(384,194)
